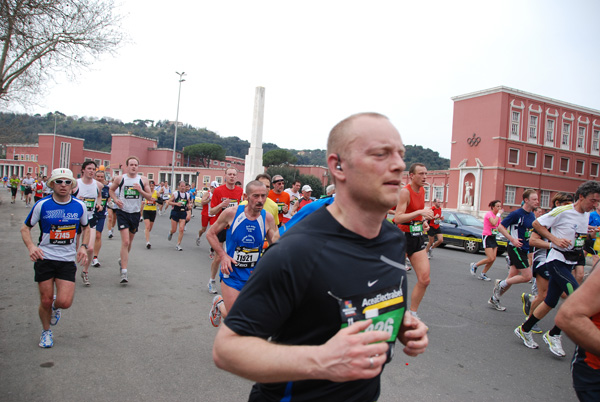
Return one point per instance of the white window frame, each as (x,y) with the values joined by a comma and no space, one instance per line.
(595,142)
(551,162)
(565,135)
(438,192)
(509,195)
(26,157)
(150,176)
(106,163)
(568,164)
(427,190)
(518,156)
(533,128)
(582,166)
(216,163)
(65,155)
(595,165)
(206,179)
(527,159)
(545,199)
(580,146)
(515,124)
(550,126)
(219,179)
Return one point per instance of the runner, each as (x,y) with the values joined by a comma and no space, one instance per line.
(14,183)
(411,217)
(149,213)
(435,233)
(180,201)
(281,198)
(226,196)
(38,192)
(59,217)
(112,208)
(89,191)
(247,228)
(295,195)
(518,222)
(566,227)
(205,217)
(28,184)
(491,220)
(131,190)
(100,216)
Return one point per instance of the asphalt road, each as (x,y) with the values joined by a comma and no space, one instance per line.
(152,340)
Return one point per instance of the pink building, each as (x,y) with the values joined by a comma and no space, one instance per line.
(505,141)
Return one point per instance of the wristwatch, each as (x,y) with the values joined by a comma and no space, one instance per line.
(84,245)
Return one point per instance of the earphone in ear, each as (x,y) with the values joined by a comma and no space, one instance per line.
(339,163)
(339,167)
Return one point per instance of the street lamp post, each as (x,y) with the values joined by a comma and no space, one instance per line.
(176,124)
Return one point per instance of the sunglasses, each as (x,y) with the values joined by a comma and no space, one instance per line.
(278,181)
(60,181)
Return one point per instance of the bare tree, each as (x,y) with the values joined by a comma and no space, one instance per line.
(41,37)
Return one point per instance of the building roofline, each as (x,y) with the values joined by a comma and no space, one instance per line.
(518,92)
(64,136)
(22,145)
(93,150)
(133,135)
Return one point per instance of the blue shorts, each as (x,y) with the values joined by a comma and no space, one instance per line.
(541,270)
(238,278)
(100,224)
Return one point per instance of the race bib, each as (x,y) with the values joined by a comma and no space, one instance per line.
(89,203)
(579,242)
(416,228)
(103,202)
(130,193)
(62,234)
(232,203)
(246,257)
(280,206)
(528,234)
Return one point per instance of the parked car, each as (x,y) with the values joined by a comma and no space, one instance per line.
(464,230)
(198,200)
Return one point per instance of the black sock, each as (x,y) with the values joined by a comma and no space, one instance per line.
(554,331)
(531,321)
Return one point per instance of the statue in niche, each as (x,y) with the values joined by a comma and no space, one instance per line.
(468,196)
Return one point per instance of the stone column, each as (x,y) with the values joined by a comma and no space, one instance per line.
(254,162)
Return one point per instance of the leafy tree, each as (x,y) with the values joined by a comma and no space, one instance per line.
(289,174)
(41,37)
(205,152)
(314,182)
(278,157)
(429,157)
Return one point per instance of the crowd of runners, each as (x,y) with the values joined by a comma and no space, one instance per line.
(297,297)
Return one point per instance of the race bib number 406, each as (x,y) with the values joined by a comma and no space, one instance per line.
(385,307)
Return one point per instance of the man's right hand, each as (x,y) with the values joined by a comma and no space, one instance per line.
(352,354)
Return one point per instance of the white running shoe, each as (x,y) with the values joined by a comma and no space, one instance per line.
(215,313)
(148,245)
(212,287)
(178,248)
(495,303)
(526,337)
(124,277)
(55,313)
(198,241)
(95,263)
(86,279)
(170,236)
(473,269)
(484,277)
(46,340)
(554,343)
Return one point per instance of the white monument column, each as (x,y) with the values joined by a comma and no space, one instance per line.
(254,159)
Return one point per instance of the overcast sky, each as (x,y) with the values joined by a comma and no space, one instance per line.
(321,61)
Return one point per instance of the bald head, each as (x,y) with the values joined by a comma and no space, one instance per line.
(343,134)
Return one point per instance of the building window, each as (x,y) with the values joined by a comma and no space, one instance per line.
(438,193)
(65,155)
(16,157)
(229,165)
(206,180)
(581,139)
(426,188)
(514,124)
(222,163)
(26,157)
(564,142)
(550,131)
(594,169)
(510,195)
(513,156)
(178,156)
(216,163)
(178,164)
(564,164)
(531,159)
(219,179)
(533,123)
(35,157)
(548,161)
(87,159)
(97,162)
(545,199)
(106,163)
(22,157)
(150,176)
(579,166)
(595,140)
(29,170)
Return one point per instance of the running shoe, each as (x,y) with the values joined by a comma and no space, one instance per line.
(95,263)
(554,343)
(46,340)
(430,253)
(148,245)
(215,313)
(86,280)
(473,269)
(212,287)
(534,288)
(178,248)
(124,277)
(525,299)
(495,303)
(110,234)
(170,236)
(211,255)
(526,337)
(55,314)
(536,329)
(484,277)
(407,265)
(198,241)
